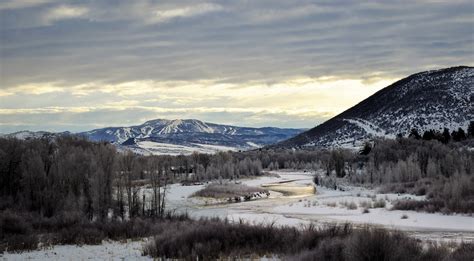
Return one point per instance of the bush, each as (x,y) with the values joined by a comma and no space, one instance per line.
(365,204)
(211,239)
(19,243)
(17,233)
(430,206)
(379,244)
(214,239)
(78,235)
(380,203)
(464,253)
(352,206)
(448,195)
(328,250)
(228,190)
(13,224)
(135,228)
(58,222)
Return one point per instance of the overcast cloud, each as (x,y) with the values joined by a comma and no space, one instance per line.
(76,65)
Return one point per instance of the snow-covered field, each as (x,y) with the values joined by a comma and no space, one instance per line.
(109,250)
(325,207)
(331,206)
(157,148)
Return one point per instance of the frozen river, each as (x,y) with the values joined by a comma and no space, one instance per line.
(326,206)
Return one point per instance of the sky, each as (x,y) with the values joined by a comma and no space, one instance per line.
(80,65)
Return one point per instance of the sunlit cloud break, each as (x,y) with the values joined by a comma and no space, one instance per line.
(304,99)
(73,65)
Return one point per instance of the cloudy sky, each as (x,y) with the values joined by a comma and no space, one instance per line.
(78,65)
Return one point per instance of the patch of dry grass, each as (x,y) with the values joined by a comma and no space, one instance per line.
(229,190)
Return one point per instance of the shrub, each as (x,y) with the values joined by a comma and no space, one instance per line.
(380,203)
(464,252)
(210,239)
(352,206)
(365,204)
(214,239)
(59,221)
(13,224)
(448,195)
(435,251)
(419,205)
(328,250)
(228,190)
(19,243)
(78,235)
(379,244)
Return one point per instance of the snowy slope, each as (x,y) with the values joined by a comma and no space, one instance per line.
(186,136)
(25,135)
(427,100)
(174,137)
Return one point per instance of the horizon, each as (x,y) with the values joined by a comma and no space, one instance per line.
(151,120)
(77,66)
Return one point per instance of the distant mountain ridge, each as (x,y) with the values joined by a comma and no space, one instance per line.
(178,136)
(25,134)
(427,100)
(189,130)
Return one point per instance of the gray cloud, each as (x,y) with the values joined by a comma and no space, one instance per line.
(228,41)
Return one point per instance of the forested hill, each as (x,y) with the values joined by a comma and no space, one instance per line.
(428,100)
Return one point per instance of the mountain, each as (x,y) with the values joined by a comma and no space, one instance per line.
(25,135)
(185,136)
(426,100)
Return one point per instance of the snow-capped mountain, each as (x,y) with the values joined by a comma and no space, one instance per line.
(426,100)
(184,136)
(25,135)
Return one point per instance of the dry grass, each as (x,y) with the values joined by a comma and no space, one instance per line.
(380,203)
(26,231)
(229,190)
(215,239)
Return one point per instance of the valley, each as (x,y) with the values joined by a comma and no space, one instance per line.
(324,207)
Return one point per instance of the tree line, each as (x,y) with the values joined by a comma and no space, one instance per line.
(70,174)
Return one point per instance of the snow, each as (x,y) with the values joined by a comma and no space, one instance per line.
(376,216)
(327,207)
(428,100)
(158,148)
(369,128)
(324,207)
(109,250)
(251,144)
(215,148)
(184,136)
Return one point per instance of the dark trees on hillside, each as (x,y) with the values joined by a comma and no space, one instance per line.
(414,134)
(366,149)
(470,129)
(429,135)
(458,135)
(446,136)
(337,158)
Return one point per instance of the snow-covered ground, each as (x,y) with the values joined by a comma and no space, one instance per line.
(157,148)
(330,206)
(325,207)
(109,250)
